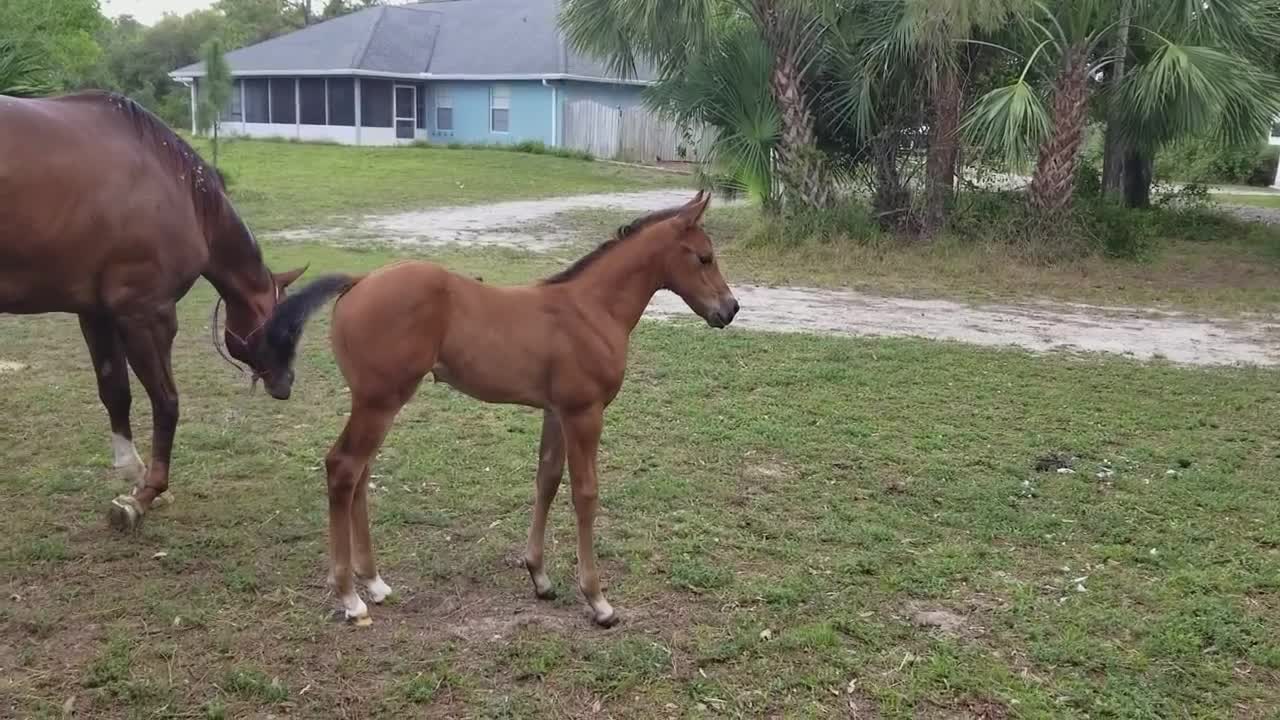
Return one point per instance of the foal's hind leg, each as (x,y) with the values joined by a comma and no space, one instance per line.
(346,463)
(550,474)
(366,569)
(111,370)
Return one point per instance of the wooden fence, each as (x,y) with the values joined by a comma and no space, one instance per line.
(634,134)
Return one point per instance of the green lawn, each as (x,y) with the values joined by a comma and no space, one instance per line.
(778,511)
(1263,201)
(279,185)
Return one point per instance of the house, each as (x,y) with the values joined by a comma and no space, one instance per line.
(451,71)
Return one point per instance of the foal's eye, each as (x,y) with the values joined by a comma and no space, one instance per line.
(705,259)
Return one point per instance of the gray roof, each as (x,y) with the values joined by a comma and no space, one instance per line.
(441,38)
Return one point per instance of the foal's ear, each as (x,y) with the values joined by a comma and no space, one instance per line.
(692,213)
(284,279)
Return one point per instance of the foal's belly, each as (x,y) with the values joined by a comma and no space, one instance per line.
(490,385)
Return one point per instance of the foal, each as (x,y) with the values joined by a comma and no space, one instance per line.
(560,346)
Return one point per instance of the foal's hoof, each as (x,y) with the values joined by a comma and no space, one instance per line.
(542,587)
(163,500)
(125,514)
(360,621)
(607,619)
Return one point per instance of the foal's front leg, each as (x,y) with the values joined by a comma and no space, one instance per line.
(582,430)
(550,474)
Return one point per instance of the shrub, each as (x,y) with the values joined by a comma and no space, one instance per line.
(1204,161)
(846,221)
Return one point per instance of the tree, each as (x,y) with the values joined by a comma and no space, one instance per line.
(1192,68)
(21,74)
(215,93)
(668,34)
(61,34)
(892,53)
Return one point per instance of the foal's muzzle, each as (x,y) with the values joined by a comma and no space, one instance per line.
(724,314)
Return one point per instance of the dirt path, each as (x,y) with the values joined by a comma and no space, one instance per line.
(1040,327)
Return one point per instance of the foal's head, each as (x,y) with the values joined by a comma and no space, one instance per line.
(689,266)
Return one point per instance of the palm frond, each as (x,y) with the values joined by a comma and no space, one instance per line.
(22,74)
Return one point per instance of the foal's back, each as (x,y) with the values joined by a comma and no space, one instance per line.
(497,344)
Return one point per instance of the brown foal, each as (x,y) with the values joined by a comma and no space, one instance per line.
(107,214)
(560,345)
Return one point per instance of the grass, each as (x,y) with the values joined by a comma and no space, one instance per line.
(776,511)
(1262,201)
(278,185)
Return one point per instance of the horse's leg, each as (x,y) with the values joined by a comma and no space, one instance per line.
(550,473)
(345,463)
(365,567)
(111,369)
(148,343)
(582,431)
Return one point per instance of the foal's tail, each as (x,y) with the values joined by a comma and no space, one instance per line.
(284,329)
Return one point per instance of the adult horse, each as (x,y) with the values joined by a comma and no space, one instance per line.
(560,346)
(107,214)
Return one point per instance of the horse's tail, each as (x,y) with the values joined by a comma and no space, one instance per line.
(284,329)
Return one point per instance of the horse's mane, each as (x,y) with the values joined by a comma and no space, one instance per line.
(205,183)
(631,229)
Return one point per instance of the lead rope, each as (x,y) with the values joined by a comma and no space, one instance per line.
(255,375)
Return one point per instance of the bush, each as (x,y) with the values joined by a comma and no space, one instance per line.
(1092,226)
(847,221)
(1204,161)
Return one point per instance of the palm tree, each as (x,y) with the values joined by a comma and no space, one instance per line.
(727,88)
(670,34)
(1194,71)
(896,51)
(21,72)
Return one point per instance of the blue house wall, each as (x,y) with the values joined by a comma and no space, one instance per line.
(532,108)
(530,116)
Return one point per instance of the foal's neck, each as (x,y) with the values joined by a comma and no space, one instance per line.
(624,281)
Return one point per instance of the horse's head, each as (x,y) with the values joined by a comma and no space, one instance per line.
(690,269)
(245,338)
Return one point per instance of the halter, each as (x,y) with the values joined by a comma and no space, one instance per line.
(213,337)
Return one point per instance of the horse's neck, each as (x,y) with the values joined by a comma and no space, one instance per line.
(623,283)
(235,267)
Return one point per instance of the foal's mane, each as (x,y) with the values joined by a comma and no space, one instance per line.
(204,182)
(629,230)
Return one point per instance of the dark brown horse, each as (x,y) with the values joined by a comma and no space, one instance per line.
(560,346)
(107,214)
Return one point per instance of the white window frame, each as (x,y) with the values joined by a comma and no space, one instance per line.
(499,99)
(443,101)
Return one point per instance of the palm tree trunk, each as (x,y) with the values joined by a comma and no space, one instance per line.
(1053,184)
(1138,167)
(891,200)
(940,165)
(801,166)
(1117,145)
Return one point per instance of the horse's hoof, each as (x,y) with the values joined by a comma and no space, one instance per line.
(546,593)
(360,620)
(125,514)
(608,619)
(378,590)
(163,500)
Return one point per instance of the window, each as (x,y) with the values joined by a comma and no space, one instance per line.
(500,109)
(1275,130)
(375,103)
(312,99)
(256,102)
(444,111)
(342,102)
(234,111)
(283,109)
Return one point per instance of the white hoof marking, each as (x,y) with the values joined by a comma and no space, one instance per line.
(378,590)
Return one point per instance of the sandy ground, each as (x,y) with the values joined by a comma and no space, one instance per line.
(1135,332)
